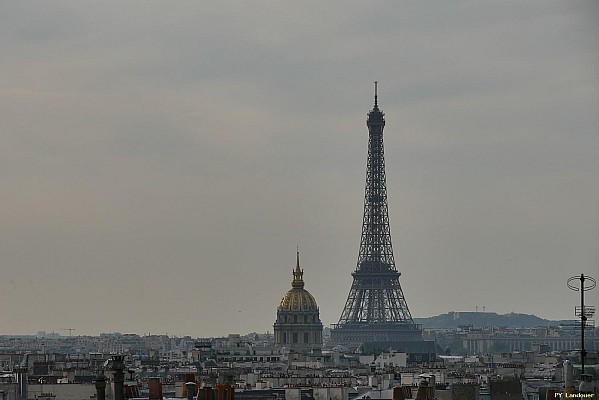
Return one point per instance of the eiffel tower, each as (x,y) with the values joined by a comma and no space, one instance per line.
(376,309)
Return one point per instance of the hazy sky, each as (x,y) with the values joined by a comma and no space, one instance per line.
(161,161)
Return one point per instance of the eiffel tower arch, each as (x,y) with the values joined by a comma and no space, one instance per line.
(376,309)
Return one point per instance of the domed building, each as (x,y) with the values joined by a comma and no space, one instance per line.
(298,325)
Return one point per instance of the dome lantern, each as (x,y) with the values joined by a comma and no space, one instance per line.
(298,275)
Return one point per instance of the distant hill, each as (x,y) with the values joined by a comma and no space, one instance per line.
(481,319)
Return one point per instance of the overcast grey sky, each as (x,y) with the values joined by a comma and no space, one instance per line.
(161,161)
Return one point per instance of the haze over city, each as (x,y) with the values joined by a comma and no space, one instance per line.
(160,162)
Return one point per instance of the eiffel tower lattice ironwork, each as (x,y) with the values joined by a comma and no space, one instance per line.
(376,309)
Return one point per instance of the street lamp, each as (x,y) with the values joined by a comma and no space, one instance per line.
(584,312)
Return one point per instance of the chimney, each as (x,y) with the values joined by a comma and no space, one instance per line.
(191,390)
(424,391)
(101,386)
(398,393)
(118,367)
(224,392)
(189,377)
(22,378)
(155,388)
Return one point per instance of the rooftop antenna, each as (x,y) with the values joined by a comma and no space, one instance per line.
(375,95)
(584,312)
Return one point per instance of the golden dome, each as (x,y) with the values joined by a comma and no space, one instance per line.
(298,298)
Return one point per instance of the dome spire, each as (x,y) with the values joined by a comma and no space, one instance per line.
(298,274)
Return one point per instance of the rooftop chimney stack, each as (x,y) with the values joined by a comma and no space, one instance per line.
(118,368)
(155,389)
(191,390)
(101,386)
